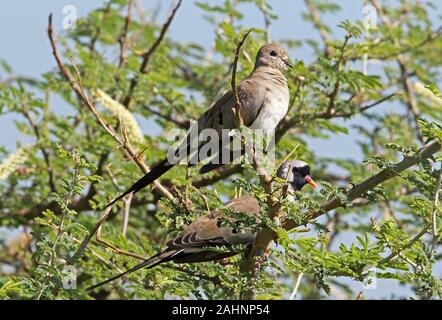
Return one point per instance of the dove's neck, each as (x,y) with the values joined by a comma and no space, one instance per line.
(266,69)
(268,73)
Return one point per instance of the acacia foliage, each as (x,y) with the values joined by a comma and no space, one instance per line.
(54,187)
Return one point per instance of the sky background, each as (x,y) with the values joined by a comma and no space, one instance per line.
(24,45)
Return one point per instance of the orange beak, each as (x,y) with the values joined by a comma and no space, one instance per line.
(310,181)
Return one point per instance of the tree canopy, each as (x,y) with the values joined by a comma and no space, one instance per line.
(128,84)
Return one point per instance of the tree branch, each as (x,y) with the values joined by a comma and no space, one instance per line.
(122,40)
(43,150)
(148,54)
(238,108)
(319,26)
(372,182)
(79,90)
(411,102)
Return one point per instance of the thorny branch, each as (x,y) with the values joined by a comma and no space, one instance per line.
(319,26)
(148,54)
(79,90)
(122,40)
(77,86)
(402,62)
(44,151)
(237,110)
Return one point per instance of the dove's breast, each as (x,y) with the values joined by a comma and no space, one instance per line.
(273,110)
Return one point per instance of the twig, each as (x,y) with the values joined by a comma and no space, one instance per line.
(98,256)
(298,93)
(141,12)
(332,95)
(92,232)
(96,230)
(215,279)
(7,81)
(319,26)
(410,262)
(79,90)
(295,289)
(372,182)
(411,102)
(289,124)
(435,212)
(287,157)
(237,108)
(148,54)
(122,40)
(98,30)
(332,229)
(60,231)
(408,245)
(206,202)
(127,204)
(425,229)
(179,122)
(404,49)
(374,104)
(43,150)
(264,8)
(115,248)
(222,173)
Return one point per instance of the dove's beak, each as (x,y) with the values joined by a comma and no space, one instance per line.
(310,181)
(288,64)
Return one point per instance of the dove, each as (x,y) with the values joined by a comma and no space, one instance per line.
(199,241)
(264,99)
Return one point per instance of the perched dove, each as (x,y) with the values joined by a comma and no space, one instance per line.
(264,99)
(195,243)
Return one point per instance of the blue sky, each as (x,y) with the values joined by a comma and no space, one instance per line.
(26,48)
(24,22)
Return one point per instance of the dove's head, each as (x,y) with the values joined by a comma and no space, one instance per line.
(297,174)
(272,55)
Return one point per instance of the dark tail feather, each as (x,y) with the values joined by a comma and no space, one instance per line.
(149,263)
(217,162)
(147,179)
(209,167)
(225,147)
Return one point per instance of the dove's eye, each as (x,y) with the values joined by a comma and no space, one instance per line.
(273,53)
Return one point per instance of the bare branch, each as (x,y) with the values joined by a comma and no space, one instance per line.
(127,204)
(122,40)
(79,90)
(148,54)
(237,110)
(425,229)
(115,248)
(411,102)
(98,30)
(86,240)
(43,150)
(319,26)
(436,210)
(295,289)
(182,123)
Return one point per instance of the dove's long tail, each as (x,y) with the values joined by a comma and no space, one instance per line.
(147,179)
(149,263)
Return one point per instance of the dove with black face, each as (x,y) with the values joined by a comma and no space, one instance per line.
(198,241)
(264,98)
